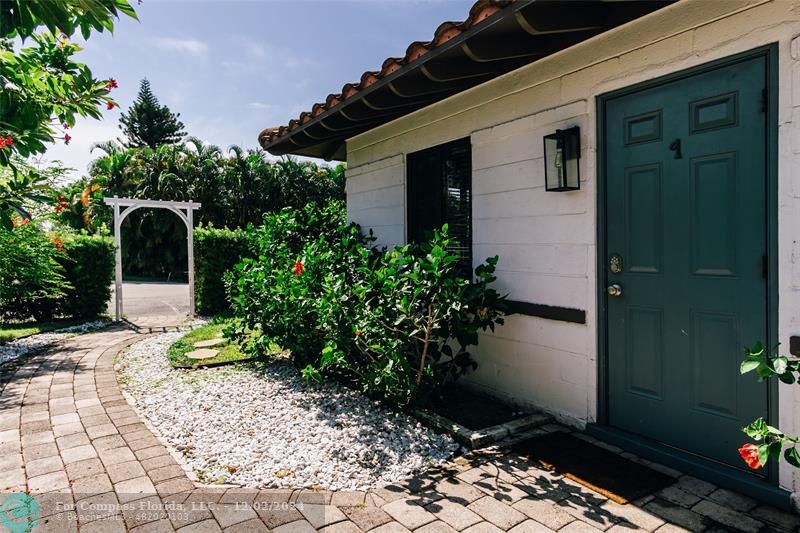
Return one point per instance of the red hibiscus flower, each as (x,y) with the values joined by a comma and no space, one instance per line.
(112,84)
(59,244)
(5,141)
(67,138)
(298,267)
(110,105)
(749,453)
(62,204)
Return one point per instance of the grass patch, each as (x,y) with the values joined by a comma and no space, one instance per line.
(228,352)
(10,332)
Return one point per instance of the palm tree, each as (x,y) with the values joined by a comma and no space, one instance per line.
(250,178)
(205,179)
(113,170)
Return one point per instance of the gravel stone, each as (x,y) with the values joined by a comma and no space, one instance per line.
(270,428)
(27,345)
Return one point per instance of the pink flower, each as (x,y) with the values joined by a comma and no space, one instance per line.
(67,138)
(110,105)
(112,84)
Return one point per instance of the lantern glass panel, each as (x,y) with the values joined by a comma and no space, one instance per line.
(562,155)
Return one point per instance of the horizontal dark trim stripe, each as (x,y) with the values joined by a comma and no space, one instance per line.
(551,312)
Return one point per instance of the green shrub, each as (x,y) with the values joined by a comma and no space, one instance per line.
(397,324)
(88,264)
(53,275)
(216,252)
(270,297)
(32,281)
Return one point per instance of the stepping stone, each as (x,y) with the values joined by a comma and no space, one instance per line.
(209,343)
(202,353)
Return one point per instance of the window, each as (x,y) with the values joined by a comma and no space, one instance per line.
(440,192)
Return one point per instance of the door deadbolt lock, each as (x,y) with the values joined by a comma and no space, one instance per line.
(614,290)
(615,264)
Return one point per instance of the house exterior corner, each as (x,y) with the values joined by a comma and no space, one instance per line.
(549,243)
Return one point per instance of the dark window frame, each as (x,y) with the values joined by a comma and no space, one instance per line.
(427,195)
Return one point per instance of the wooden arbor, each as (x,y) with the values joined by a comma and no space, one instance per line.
(124,207)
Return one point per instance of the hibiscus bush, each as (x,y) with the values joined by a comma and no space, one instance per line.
(396,324)
(271,298)
(771,442)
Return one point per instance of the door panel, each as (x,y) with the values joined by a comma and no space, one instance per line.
(644,339)
(643,219)
(686,210)
(712,202)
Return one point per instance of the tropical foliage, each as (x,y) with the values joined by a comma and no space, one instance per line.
(235,190)
(397,324)
(772,442)
(31,278)
(21,187)
(45,275)
(20,18)
(42,88)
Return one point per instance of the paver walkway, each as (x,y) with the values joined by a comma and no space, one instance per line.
(69,438)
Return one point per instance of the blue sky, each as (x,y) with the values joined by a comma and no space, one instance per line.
(232,68)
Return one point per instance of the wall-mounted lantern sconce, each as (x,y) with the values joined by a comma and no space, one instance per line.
(562,152)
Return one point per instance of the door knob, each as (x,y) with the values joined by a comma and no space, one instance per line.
(614,290)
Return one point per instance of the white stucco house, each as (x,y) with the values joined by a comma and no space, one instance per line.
(636,291)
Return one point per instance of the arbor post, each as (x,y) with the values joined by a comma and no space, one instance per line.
(190,239)
(118,264)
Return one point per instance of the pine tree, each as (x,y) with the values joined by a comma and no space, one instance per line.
(148,123)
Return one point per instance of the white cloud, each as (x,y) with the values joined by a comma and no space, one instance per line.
(273,61)
(189,46)
(86,132)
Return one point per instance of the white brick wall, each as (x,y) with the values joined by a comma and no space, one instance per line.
(376,198)
(546,242)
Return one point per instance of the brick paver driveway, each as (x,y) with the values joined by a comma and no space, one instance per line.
(69,438)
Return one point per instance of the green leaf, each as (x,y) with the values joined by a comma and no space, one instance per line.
(763,453)
(792,456)
(748,365)
(756,430)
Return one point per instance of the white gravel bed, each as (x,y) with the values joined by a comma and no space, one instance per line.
(272,429)
(26,345)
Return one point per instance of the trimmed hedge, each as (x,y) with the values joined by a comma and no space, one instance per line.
(88,264)
(216,252)
(47,275)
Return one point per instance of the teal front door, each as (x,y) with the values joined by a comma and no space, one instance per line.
(686,268)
